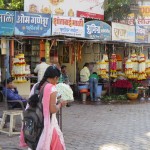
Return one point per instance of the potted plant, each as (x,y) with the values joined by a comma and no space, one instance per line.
(133,92)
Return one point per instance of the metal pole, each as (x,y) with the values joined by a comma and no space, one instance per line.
(5,96)
(109,71)
(75,65)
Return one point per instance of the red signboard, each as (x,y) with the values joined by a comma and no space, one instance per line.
(90,15)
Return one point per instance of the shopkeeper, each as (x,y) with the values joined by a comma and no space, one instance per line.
(41,68)
(85,73)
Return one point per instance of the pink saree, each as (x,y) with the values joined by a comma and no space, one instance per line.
(51,137)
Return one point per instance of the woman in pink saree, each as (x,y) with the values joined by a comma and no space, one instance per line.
(51,137)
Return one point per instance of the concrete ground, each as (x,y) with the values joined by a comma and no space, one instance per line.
(101,127)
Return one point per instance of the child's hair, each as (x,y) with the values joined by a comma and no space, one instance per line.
(95,73)
(51,72)
(7,81)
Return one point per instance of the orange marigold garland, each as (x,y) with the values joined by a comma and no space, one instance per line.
(113,66)
(20,69)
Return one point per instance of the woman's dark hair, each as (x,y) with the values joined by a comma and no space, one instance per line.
(7,81)
(51,72)
(86,65)
(95,73)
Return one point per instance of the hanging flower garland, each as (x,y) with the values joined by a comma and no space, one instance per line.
(119,62)
(147,67)
(105,57)
(129,68)
(135,63)
(19,69)
(103,67)
(113,66)
(142,67)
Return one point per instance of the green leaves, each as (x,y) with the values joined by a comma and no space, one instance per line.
(114,99)
(1,4)
(12,4)
(117,9)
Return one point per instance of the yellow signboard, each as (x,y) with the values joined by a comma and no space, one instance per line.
(145,11)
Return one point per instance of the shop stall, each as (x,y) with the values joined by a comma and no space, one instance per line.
(110,50)
(6,32)
(27,46)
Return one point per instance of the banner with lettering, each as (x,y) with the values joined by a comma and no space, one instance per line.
(122,32)
(72,8)
(69,26)
(7,19)
(32,24)
(143,18)
(98,30)
(141,34)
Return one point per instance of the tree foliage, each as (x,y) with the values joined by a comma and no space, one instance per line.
(119,9)
(12,4)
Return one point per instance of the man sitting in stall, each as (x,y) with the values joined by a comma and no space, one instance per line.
(64,76)
(11,93)
(85,73)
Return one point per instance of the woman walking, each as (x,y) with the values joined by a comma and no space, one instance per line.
(51,137)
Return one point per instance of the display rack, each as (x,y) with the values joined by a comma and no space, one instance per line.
(34,50)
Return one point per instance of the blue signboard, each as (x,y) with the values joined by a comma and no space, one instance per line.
(141,34)
(32,24)
(98,30)
(7,22)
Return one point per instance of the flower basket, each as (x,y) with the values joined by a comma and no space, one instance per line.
(132,96)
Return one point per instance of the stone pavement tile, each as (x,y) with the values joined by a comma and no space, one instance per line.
(97,127)
(9,143)
(111,123)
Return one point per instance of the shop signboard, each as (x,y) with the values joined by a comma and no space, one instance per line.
(69,26)
(7,19)
(98,30)
(142,19)
(32,24)
(141,34)
(122,32)
(72,8)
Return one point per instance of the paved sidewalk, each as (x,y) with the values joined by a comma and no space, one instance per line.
(101,127)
